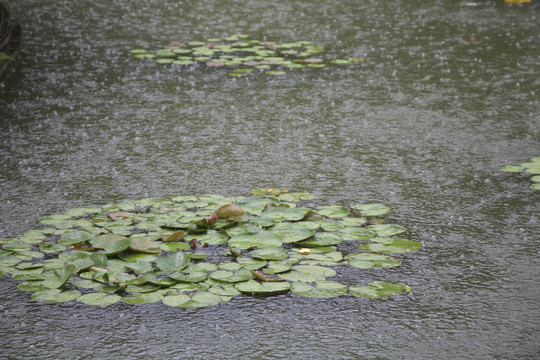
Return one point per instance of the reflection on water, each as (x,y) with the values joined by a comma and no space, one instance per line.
(447,95)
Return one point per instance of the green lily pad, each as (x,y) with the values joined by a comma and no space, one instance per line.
(378,289)
(372,209)
(255,287)
(175,246)
(262,239)
(352,233)
(143,298)
(322,239)
(144,245)
(232,276)
(99,299)
(276,267)
(74,237)
(212,237)
(135,257)
(333,211)
(189,276)
(251,264)
(111,244)
(387,245)
(270,254)
(308,273)
(173,262)
(277,214)
(371,261)
(17,245)
(198,300)
(387,229)
(56,295)
(56,279)
(290,233)
(512,168)
(321,289)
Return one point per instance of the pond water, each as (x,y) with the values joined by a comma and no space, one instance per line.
(449,92)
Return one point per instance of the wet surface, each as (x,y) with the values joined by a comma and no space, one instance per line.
(448,94)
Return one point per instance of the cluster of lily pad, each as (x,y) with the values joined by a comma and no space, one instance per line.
(192,252)
(244,54)
(530,167)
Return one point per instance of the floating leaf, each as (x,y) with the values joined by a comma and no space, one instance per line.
(232,276)
(252,264)
(56,295)
(322,239)
(255,287)
(99,299)
(270,254)
(357,233)
(512,168)
(144,245)
(57,279)
(290,233)
(173,262)
(371,261)
(308,273)
(284,214)
(198,300)
(143,298)
(74,237)
(262,239)
(372,209)
(189,276)
(134,256)
(177,236)
(387,229)
(321,289)
(387,245)
(378,289)
(211,237)
(276,267)
(333,211)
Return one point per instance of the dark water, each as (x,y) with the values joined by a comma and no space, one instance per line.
(448,94)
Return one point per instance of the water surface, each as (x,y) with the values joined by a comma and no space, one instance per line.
(447,95)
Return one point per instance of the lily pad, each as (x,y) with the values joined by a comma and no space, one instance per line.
(371,261)
(284,214)
(56,295)
(372,209)
(198,300)
(290,233)
(57,279)
(143,298)
(322,239)
(254,287)
(262,239)
(74,237)
(99,299)
(308,273)
(388,245)
(270,254)
(387,229)
(333,211)
(189,276)
(232,276)
(144,245)
(378,289)
(173,262)
(276,267)
(321,289)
